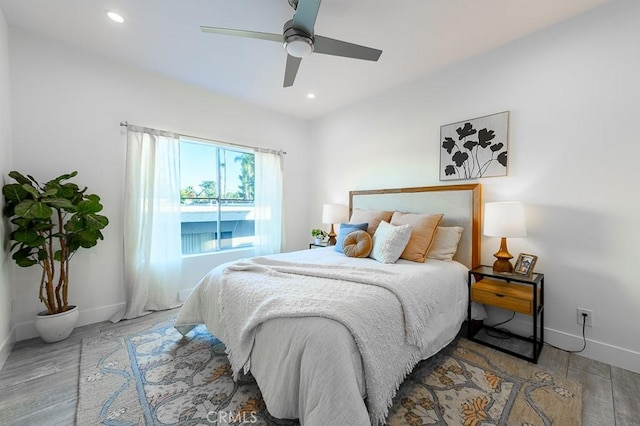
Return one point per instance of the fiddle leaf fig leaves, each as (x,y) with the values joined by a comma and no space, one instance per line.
(33,210)
(55,220)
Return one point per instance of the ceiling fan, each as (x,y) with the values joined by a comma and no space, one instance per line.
(300,41)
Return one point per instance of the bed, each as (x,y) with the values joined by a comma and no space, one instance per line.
(329,338)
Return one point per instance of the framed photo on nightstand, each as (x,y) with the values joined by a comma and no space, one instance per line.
(525,264)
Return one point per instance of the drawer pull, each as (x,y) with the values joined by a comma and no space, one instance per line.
(499,295)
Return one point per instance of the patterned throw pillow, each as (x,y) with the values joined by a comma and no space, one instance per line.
(389,241)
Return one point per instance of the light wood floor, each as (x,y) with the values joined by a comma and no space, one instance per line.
(39,382)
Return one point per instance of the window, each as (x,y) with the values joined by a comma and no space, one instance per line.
(216,196)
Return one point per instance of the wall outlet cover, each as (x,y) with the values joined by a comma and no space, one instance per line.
(588,320)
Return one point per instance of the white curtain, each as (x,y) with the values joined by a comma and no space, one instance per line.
(152,251)
(269,232)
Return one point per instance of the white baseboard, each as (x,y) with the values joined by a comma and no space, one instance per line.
(7,346)
(599,351)
(27,330)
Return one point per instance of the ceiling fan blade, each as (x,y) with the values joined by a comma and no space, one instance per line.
(329,46)
(305,16)
(291,70)
(243,33)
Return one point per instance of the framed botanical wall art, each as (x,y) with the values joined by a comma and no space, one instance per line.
(474,148)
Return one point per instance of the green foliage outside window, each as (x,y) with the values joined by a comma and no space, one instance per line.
(207,191)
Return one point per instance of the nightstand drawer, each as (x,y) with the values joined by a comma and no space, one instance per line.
(514,297)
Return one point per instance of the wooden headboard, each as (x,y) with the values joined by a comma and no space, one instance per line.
(460,204)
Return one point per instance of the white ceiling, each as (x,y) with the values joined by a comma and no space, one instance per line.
(417,37)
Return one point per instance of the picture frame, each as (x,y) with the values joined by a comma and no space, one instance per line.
(525,264)
(474,148)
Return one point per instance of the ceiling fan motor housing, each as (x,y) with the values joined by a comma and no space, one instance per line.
(296,42)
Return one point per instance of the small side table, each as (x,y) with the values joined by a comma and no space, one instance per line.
(513,292)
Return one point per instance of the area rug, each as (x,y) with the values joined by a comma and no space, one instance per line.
(150,375)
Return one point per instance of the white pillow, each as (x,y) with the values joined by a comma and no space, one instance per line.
(389,242)
(445,243)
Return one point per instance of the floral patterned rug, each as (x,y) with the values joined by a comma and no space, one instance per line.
(148,374)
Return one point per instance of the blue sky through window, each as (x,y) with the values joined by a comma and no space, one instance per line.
(198,164)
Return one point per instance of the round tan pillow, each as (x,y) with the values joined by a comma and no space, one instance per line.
(357,244)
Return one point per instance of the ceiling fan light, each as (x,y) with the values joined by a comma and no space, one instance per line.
(298,46)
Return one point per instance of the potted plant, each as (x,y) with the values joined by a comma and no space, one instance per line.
(51,222)
(319,235)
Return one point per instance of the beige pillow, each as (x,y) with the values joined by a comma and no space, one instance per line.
(445,243)
(357,244)
(372,217)
(423,228)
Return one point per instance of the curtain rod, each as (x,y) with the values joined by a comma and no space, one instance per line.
(257,148)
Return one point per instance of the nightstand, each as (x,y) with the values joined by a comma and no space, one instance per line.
(314,245)
(512,292)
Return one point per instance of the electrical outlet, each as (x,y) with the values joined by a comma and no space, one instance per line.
(588,321)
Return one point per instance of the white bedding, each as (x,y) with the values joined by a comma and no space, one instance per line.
(311,368)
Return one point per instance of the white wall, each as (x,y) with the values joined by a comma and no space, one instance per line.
(6,294)
(574,96)
(67,106)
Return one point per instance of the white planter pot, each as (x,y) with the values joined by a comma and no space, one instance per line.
(318,241)
(56,327)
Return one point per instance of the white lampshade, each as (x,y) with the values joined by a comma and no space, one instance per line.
(504,219)
(334,213)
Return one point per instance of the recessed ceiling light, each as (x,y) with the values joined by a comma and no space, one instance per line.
(311,96)
(115,17)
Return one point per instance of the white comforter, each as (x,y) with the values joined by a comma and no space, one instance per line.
(311,367)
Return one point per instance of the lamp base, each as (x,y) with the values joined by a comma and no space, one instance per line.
(502,263)
(332,237)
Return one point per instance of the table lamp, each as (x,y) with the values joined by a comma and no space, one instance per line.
(504,220)
(334,213)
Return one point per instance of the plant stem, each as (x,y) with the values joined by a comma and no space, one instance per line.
(49,269)
(60,298)
(64,272)
(41,294)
